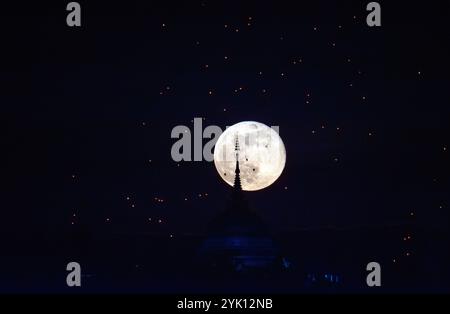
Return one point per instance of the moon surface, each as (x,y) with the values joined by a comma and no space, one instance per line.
(262,155)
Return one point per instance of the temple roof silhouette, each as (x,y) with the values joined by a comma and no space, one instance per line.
(237,237)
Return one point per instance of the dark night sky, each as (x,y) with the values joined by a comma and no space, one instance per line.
(363,112)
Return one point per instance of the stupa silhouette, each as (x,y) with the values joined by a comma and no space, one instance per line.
(238,240)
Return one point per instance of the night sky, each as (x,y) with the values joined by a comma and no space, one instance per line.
(363,113)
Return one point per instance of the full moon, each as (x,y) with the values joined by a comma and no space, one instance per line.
(262,155)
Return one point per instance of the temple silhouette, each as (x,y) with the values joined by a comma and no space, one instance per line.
(238,240)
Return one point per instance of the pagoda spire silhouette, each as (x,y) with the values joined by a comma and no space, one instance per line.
(238,201)
(237,177)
